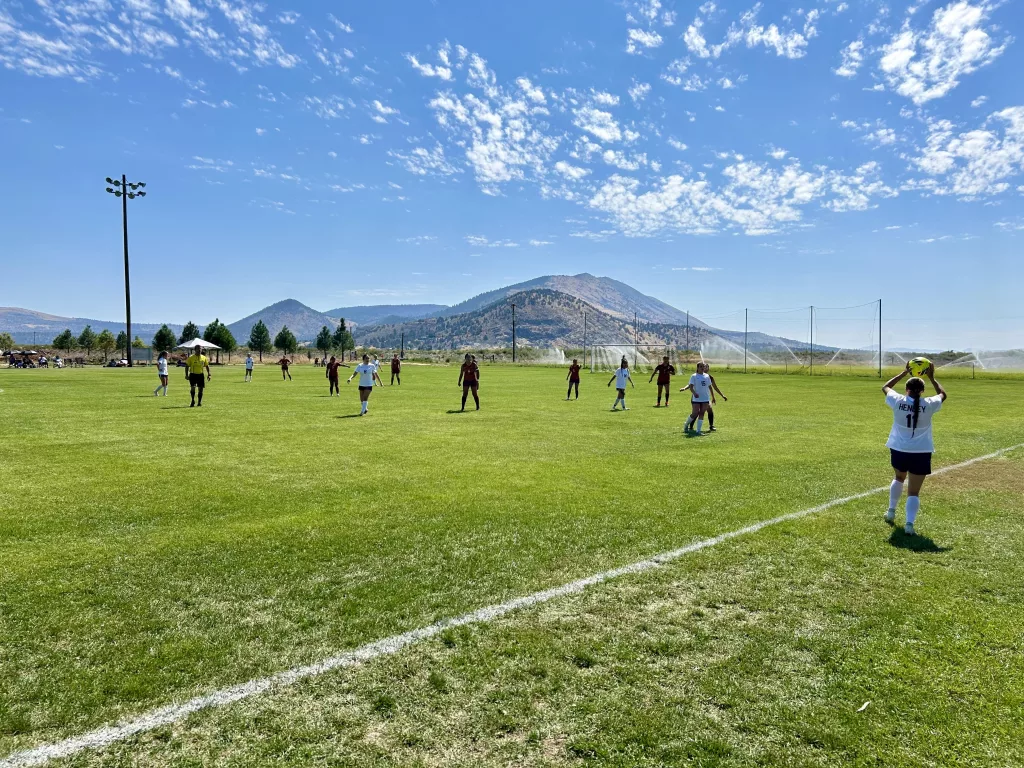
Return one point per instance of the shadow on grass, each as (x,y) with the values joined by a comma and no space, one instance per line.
(917,543)
(173,407)
(456,410)
(350,416)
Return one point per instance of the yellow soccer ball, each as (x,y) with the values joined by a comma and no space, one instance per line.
(919,365)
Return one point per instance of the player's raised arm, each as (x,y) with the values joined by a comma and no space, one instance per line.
(688,386)
(939,389)
(895,379)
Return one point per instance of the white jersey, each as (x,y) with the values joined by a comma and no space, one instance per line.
(249,363)
(621,378)
(161,366)
(904,437)
(365,371)
(701,384)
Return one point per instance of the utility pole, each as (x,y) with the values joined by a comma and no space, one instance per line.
(812,340)
(513,333)
(746,325)
(687,333)
(636,341)
(880,339)
(402,356)
(124,190)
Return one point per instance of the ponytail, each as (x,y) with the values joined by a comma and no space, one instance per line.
(915,387)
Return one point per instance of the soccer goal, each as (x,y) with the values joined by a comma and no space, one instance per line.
(641,357)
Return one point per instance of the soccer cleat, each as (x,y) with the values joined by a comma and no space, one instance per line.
(890,516)
(712,429)
(909,529)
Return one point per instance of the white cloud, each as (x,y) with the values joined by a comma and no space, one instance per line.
(417,240)
(500,130)
(620,160)
(429,70)
(539,243)
(260,131)
(927,64)
(605,99)
(638,91)
(480,241)
(853,58)
(756,199)
(677,145)
(979,101)
(424,162)
(288,17)
(640,39)
(599,123)
(340,24)
(532,92)
(777,153)
(977,163)
(790,43)
(573,172)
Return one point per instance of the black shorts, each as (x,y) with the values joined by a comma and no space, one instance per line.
(474,385)
(197,380)
(366,389)
(622,393)
(914,463)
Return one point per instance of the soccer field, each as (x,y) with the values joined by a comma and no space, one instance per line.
(152,553)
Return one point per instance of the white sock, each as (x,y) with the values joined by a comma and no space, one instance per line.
(366,406)
(895,492)
(700,425)
(913,505)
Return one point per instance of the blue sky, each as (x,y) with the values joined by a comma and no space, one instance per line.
(715,155)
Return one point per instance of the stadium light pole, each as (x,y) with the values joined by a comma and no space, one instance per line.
(687,333)
(513,333)
(125,189)
(636,341)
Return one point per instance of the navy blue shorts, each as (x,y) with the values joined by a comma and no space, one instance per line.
(914,463)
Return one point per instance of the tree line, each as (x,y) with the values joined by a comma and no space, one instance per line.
(165,340)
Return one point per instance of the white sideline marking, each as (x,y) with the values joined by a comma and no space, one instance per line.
(172,713)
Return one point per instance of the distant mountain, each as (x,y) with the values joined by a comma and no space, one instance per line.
(305,322)
(544,318)
(610,296)
(385,313)
(23,323)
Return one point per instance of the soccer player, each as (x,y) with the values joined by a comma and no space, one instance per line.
(574,379)
(161,371)
(469,380)
(910,440)
(665,372)
(284,362)
(700,386)
(249,363)
(367,376)
(194,366)
(396,370)
(332,375)
(714,387)
(620,377)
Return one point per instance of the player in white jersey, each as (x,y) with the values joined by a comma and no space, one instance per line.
(161,371)
(700,400)
(910,440)
(621,377)
(367,375)
(249,363)
(711,406)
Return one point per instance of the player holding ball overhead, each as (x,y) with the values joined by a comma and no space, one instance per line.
(910,439)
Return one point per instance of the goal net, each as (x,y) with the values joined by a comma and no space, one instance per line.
(642,358)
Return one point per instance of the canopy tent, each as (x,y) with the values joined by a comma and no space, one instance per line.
(198,343)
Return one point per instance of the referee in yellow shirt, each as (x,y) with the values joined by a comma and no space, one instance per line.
(194,366)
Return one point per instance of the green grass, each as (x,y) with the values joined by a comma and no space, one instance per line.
(152,552)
